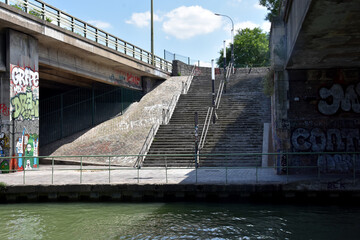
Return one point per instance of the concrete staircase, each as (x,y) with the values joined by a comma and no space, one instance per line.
(241,114)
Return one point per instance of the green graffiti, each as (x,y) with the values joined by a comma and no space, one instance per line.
(25,106)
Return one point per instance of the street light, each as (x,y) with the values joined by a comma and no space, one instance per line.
(232,36)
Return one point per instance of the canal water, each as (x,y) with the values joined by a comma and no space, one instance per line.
(177,221)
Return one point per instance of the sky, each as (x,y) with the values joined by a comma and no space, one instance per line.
(185,27)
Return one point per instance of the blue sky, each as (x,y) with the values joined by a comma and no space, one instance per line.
(185,27)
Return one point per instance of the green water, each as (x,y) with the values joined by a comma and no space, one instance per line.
(177,221)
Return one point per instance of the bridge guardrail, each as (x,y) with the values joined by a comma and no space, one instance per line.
(55,16)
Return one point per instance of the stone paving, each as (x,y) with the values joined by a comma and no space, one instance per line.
(66,174)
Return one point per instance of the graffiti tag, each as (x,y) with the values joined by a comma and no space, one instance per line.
(25,106)
(317,140)
(128,77)
(4,110)
(23,78)
(335,98)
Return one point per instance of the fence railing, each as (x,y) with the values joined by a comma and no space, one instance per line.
(107,169)
(55,16)
(187,83)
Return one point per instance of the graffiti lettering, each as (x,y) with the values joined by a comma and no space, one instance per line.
(23,78)
(317,140)
(4,110)
(337,162)
(25,106)
(335,98)
(4,144)
(128,77)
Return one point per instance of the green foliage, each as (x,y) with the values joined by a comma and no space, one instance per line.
(251,48)
(33,12)
(268,83)
(273,6)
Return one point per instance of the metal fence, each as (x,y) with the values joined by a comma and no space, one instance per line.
(106,169)
(55,16)
(82,108)
(169,56)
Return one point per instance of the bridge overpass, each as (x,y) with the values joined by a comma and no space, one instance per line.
(315,47)
(45,52)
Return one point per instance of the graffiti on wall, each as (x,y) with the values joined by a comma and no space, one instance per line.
(4,110)
(27,150)
(23,79)
(317,140)
(25,105)
(24,84)
(335,98)
(330,140)
(126,77)
(4,144)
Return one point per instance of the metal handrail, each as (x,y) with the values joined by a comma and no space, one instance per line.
(205,128)
(187,83)
(169,110)
(149,139)
(55,16)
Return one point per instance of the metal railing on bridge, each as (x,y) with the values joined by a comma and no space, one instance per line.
(55,16)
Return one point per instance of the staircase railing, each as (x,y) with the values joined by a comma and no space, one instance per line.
(149,139)
(187,83)
(166,116)
(167,112)
(211,110)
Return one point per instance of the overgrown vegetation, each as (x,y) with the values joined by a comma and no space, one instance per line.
(268,83)
(33,12)
(273,6)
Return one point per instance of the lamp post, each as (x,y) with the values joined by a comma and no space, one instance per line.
(152,33)
(232,36)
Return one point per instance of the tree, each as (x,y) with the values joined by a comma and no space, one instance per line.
(272,6)
(251,48)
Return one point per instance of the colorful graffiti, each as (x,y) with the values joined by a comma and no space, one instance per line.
(4,144)
(4,110)
(27,151)
(336,98)
(25,105)
(24,93)
(126,77)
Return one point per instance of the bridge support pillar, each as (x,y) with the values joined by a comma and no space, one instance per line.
(19,86)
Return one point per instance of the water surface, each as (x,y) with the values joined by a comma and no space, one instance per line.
(177,221)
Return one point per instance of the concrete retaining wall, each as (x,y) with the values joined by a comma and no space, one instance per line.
(287,193)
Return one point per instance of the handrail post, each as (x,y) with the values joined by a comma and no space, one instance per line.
(109,169)
(81,165)
(52,171)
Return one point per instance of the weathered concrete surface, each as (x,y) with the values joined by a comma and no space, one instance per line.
(267,193)
(322,34)
(124,134)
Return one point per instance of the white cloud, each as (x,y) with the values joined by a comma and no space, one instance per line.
(265,26)
(187,22)
(142,19)
(100,24)
(259,7)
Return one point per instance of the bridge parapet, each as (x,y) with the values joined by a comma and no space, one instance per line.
(55,16)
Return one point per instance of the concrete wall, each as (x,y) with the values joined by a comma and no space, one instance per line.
(20,98)
(324,117)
